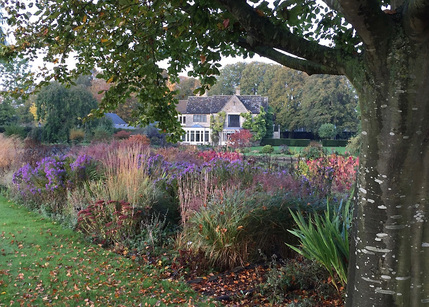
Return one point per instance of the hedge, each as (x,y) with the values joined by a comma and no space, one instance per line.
(288,142)
(302,142)
(334,143)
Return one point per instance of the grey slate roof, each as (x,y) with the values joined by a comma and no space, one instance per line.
(115,119)
(214,104)
(254,103)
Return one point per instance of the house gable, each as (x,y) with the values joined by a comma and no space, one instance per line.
(215,104)
(234,106)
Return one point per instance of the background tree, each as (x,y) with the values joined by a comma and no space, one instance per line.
(328,99)
(62,109)
(252,79)
(12,72)
(298,101)
(228,80)
(382,52)
(7,113)
(285,97)
(185,87)
(25,110)
(125,110)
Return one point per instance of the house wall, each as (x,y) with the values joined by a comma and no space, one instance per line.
(234,107)
(190,121)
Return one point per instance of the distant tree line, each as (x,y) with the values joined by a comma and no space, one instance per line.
(298,102)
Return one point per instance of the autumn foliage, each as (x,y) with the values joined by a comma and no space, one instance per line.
(241,138)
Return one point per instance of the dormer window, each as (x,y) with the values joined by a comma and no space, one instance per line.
(234,121)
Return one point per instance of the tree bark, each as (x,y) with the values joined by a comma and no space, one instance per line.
(389,263)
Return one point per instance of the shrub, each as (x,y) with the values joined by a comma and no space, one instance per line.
(245,150)
(122,135)
(33,151)
(268,221)
(36,134)
(15,130)
(101,133)
(327,131)
(109,222)
(44,184)
(325,239)
(152,235)
(236,225)
(329,174)
(241,138)
(218,229)
(284,149)
(137,139)
(76,135)
(313,151)
(48,182)
(267,149)
(155,137)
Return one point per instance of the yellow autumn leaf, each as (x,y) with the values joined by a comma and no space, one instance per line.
(104,40)
(84,18)
(77,28)
(110,80)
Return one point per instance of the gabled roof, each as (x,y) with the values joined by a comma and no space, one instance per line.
(115,119)
(254,103)
(214,104)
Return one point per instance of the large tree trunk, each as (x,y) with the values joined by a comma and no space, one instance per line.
(389,263)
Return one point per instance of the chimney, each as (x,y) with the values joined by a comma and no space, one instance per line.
(237,90)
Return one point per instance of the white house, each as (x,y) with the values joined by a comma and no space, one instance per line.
(195,114)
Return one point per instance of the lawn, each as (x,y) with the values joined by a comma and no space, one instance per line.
(255,150)
(42,263)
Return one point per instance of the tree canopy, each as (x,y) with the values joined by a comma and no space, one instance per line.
(381,46)
(229,79)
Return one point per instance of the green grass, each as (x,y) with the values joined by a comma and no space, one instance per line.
(43,264)
(294,150)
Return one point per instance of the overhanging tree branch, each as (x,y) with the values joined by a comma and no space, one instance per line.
(289,61)
(369,21)
(262,32)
